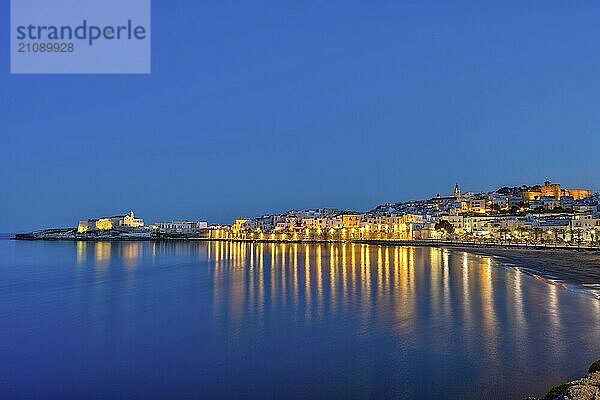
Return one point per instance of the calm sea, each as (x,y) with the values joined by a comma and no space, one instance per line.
(188,320)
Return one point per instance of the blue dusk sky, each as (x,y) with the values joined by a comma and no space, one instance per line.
(265,106)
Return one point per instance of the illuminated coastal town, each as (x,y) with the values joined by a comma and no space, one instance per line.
(545,214)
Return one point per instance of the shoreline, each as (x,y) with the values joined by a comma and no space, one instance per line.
(123,236)
(556,266)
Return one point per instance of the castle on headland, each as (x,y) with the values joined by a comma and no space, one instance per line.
(129,222)
(110,223)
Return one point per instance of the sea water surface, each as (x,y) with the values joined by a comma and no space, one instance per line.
(188,320)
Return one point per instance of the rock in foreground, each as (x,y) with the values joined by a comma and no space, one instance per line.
(586,388)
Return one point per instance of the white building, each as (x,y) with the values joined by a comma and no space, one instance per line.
(549,202)
(457,222)
(583,207)
(500,200)
(181,226)
(477,205)
(321,223)
(585,222)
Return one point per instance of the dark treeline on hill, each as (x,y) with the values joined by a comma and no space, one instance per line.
(514,190)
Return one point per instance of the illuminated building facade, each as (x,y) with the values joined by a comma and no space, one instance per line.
(108,223)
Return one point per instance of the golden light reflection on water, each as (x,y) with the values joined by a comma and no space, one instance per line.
(324,280)
(102,255)
(402,288)
(518,301)
(307,292)
(81,253)
(447,296)
(127,254)
(131,253)
(488,308)
(466,294)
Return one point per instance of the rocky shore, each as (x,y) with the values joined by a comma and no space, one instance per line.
(586,388)
(72,234)
(107,235)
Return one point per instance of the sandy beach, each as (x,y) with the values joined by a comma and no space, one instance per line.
(578,267)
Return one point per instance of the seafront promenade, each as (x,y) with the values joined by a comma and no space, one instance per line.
(72,235)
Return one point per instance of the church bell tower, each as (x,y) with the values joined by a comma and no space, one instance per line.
(456,191)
